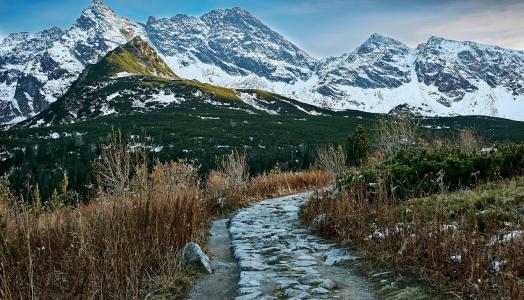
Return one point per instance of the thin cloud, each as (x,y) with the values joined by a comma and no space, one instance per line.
(482,21)
(502,27)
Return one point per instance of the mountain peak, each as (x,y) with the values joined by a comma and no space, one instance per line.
(378,42)
(151,20)
(240,10)
(136,57)
(435,40)
(236,13)
(376,38)
(97,3)
(97,9)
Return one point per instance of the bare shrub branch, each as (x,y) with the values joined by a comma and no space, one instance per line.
(330,159)
(234,167)
(395,134)
(118,162)
(468,141)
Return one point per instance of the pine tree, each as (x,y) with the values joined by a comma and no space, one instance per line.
(358,147)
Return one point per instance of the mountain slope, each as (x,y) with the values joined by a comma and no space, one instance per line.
(228,43)
(232,48)
(440,77)
(134,58)
(133,79)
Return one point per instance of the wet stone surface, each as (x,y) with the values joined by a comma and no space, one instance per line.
(279,259)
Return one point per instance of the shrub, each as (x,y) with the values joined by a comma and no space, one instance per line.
(358,147)
(418,172)
(330,159)
(394,134)
(114,168)
(468,141)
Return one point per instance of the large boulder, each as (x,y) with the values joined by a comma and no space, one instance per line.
(192,254)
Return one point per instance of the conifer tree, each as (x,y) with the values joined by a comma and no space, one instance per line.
(358,147)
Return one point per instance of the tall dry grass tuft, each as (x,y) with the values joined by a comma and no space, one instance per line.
(227,184)
(331,160)
(234,168)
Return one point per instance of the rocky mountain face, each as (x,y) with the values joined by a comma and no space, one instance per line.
(440,77)
(459,68)
(230,41)
(37,68)
(133,78)
(232,48)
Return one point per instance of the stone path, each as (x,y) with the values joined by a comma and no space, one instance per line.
(280,260)
(222,283)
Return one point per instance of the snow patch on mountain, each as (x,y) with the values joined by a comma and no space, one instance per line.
(256,103)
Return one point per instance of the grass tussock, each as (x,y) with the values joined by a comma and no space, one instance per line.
(467,244)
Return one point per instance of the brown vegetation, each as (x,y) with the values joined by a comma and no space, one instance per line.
(229,187)
(465,254)
(123,244)
(331,160)
(467,244)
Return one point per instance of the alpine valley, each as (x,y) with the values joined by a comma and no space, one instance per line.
(226,57)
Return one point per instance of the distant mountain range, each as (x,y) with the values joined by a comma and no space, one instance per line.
(232,48)
(133,78)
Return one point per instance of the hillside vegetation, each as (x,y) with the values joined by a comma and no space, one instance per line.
(124,243)
(438,211)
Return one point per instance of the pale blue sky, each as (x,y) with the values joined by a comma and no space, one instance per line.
(320,27)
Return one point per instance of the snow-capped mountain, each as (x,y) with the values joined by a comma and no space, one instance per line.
(440,77)
(36,69)
(230,41)
(133,78)
(232,48)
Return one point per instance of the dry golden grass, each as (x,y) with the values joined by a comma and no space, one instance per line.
(223,197)
(229,187)
(111,248)
(279,184)
(452,248)
(123,244)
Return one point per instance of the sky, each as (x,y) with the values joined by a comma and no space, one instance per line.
(320,27)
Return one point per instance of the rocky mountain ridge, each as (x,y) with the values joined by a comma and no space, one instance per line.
(133,78)
(232,48)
